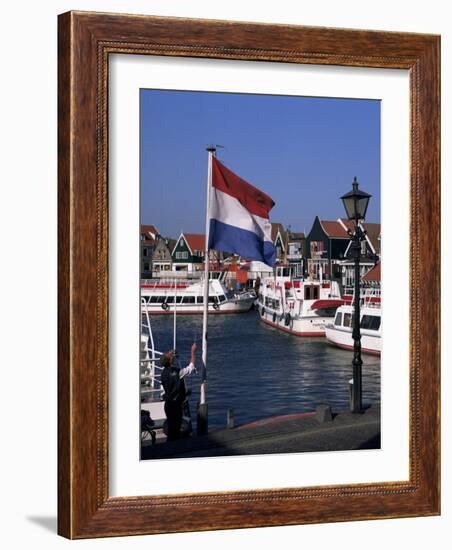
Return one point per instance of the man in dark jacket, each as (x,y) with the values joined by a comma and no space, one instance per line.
(175,390)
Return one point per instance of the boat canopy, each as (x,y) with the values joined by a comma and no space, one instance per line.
(327,304)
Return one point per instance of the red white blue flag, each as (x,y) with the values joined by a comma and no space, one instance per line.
(239,217)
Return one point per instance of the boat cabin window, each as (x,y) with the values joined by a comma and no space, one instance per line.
(370,322)
(316,292)
(169,300)
(156,299)
(222,298)
(212,299)
(189,300)
(179,299)
(283,271)
(200,299)
(348,320)
(338,320)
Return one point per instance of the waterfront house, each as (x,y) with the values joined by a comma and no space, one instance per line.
(326,244)
(279,238)
(290,246)
(370,256)
(188,252)
(328,250)
(296,251)
(161,258)
(148,238)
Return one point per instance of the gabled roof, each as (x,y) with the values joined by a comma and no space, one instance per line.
(149,232)
(166,242)
(171,243)
(373,234)
(374,274)
(195,241)
(334,229)
(278,227)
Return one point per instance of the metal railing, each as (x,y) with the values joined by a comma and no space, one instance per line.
(150,372)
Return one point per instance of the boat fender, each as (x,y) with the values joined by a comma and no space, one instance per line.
(164,306)
(263,311)
(274,317)
(216,305)
(287,319)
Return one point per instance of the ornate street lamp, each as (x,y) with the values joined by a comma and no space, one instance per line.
(355,204)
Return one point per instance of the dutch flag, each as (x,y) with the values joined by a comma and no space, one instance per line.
(238,213)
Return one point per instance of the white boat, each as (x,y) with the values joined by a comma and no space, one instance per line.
(297,306)
(151,390)
(340,331)
(162,296)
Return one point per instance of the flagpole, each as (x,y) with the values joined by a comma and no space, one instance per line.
(175,312)
(202,420)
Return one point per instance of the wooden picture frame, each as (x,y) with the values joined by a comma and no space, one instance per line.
(86,40)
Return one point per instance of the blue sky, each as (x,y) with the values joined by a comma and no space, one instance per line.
(304,152)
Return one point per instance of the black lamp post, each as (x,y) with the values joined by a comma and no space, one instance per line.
(355,204)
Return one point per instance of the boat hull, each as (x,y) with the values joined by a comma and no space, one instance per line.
(308,326)
(370,344)
(243,306)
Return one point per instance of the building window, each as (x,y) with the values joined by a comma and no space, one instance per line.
(146,266)
(145,251)
(316,248)
(181,243)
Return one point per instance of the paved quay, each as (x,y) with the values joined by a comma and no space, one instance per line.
(308,432)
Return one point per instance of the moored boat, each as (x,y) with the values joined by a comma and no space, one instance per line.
(151,389)
(298,306)
(187,297)
(339,333)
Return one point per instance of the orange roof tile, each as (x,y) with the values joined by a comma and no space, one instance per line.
(374,274)
(335,230)
(195,241)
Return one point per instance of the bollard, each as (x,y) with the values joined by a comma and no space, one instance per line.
(230,419)
(323,414)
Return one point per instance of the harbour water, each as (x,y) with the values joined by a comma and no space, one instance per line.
(260,372)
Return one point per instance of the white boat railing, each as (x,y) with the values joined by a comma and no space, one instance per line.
(150,372)
(167,282)
(369,296)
